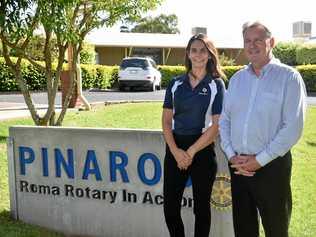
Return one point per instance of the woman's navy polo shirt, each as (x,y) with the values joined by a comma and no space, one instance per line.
(193,108)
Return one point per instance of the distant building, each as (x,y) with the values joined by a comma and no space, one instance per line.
(196,30)
(302,30)
(165,49)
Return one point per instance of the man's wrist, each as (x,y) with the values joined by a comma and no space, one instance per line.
(263,158)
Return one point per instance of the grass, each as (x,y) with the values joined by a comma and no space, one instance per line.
(147,115)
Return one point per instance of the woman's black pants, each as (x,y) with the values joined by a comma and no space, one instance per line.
(202,172)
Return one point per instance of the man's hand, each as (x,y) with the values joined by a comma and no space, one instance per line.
(244,165)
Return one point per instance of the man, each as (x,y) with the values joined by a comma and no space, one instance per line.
(261,120)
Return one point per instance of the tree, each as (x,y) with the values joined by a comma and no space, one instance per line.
(167,24)
(66,22)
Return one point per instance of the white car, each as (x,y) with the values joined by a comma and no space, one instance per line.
(139,72)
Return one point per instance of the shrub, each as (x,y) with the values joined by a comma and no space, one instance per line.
(168,72)
(35,79)
(229,71)
(98,76)
(286,52)
(93,76)
(103,77)
(87,54)
(7,80)
(306,54)
(308,73)
(226,61)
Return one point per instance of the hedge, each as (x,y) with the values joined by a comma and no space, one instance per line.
(103,77)
(286,52)
(93,76)
(306,54)
(308,73)
(168,72)
(35,79)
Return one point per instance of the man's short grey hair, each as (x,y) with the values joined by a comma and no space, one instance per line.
(252,24)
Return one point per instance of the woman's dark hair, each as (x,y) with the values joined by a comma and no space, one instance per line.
(212,67)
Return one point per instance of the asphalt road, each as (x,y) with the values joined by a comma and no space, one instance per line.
(40,98)
(8,100)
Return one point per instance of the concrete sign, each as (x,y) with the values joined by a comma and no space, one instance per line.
(100,182)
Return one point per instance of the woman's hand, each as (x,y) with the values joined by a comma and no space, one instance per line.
(182,157)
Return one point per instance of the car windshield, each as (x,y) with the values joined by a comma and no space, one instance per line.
(135,62)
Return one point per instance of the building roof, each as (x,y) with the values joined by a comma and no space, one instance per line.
(102,37)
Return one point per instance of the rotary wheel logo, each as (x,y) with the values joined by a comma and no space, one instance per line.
(221,198)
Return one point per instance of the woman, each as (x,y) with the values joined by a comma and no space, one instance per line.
(191,109)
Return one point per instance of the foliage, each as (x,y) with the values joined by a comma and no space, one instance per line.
(169,72)
(308,73)
(97,76)
(103,77)
(87,54)
(226,61)
(286,52)
(93,76)
(306,54)
(166,24)
(36,48)
(37,45)
(61,23)
(34,78)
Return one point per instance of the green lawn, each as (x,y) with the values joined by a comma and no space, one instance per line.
(147,115)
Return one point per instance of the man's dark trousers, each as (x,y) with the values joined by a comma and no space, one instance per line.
(267,192)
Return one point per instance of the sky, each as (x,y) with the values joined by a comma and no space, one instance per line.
(224,18)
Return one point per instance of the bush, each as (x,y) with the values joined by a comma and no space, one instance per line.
(7,79)
(98,76)
(35,79)
(103,77)
(286,52)
(169,72)
(93,76)
(87,54)
(226,61)
(306,54)
(308,73)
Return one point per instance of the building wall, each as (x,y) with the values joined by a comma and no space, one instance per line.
(110,55)
(176,57)
(114,55)
(237,54)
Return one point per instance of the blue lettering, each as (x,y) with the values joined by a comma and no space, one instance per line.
(91,158)
(60,161)
(141,169)
(118,166)
(23,160)
(45,161)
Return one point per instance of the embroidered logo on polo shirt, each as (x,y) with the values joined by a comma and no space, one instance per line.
(203,92)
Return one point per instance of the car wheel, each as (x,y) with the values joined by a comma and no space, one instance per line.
(159,87)
(121,88)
